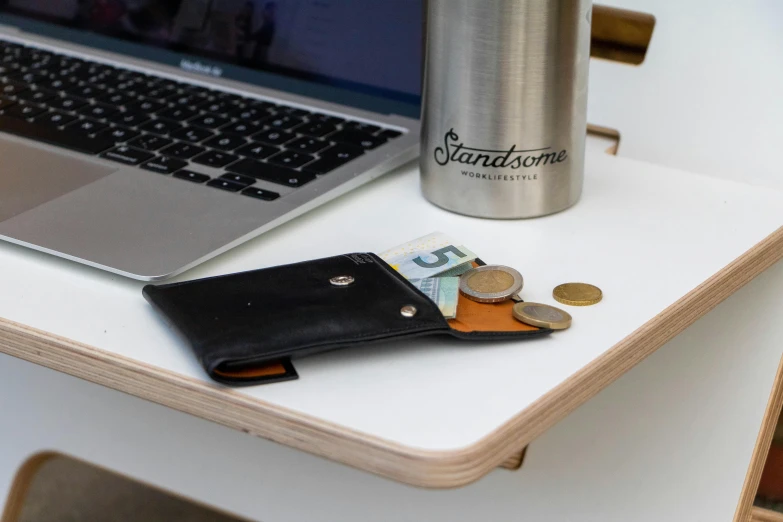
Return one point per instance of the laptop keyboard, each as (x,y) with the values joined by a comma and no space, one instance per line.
(169,127)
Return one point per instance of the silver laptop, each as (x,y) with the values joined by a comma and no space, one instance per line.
(144,137)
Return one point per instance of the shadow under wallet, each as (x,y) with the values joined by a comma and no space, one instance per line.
(246,328)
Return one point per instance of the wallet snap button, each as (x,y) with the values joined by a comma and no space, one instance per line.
(408,311)
(343,280)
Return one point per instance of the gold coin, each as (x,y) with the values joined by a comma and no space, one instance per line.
(490,283)
(577,294)
(541,315)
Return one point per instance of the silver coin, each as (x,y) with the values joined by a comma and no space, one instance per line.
(490,283)
(541,315)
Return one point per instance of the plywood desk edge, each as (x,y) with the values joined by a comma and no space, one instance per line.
(425,468)
(764,515)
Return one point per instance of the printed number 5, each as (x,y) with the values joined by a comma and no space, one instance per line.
(443,259)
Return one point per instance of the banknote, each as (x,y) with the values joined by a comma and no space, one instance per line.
(457,270)
(428,256)
(443,291)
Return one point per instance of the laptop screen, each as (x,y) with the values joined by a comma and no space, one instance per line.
(369,47)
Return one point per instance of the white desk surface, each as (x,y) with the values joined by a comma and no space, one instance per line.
(433,412)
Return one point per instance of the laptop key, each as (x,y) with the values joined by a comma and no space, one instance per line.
(129,88)
(341,151)
(309,145)
(98,111)
(332,158)
(160,93)
(251,114)
(164,165)
(53,136)
(316,129)
(192,134)
(208,121)
(55,118)
(160,126)
(67,103)
(257,151)
(255,192)
(25,110)
(31,77)
(269,172)
(226,142)
(239,178)
(225,184)
(283,122)
(273,137)
(230,98)
(36,96)
(151,142)
(84,91)
(11,88)
(189,175)
(324,165)
(118,134)
(186,100)
(357,138)
(57,84)
(146,106)
(218,107)
(116,99)
(182,150)
(178,113)
(241,128)
(129,118)
(87,126)
(291,159)
(127,155)
(215,159)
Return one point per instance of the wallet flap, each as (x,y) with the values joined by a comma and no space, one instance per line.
(294,310)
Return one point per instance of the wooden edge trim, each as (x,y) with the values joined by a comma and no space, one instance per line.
(758,514)
(414,466)
(514,462)
(761,449)
(20,486)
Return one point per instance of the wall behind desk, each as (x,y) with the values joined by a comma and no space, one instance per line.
(709,95)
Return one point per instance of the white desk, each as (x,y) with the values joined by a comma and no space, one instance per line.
(665,246)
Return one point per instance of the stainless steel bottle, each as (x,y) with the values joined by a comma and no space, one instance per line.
(505,102)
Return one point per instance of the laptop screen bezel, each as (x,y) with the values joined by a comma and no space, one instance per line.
(134,50)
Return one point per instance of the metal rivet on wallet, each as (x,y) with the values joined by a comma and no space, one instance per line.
(343,280)
(408,311)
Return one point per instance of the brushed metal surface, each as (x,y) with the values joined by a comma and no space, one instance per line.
(504,117)
(148,227)
(30,176)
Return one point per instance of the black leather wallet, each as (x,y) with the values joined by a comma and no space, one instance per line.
(240,323)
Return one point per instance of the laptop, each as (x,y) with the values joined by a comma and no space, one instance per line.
(144,137)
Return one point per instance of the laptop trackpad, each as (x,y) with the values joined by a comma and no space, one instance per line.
(31,176)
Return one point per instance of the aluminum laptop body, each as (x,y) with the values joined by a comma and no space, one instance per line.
(132,209)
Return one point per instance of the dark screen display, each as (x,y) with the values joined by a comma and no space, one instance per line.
(372,46)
